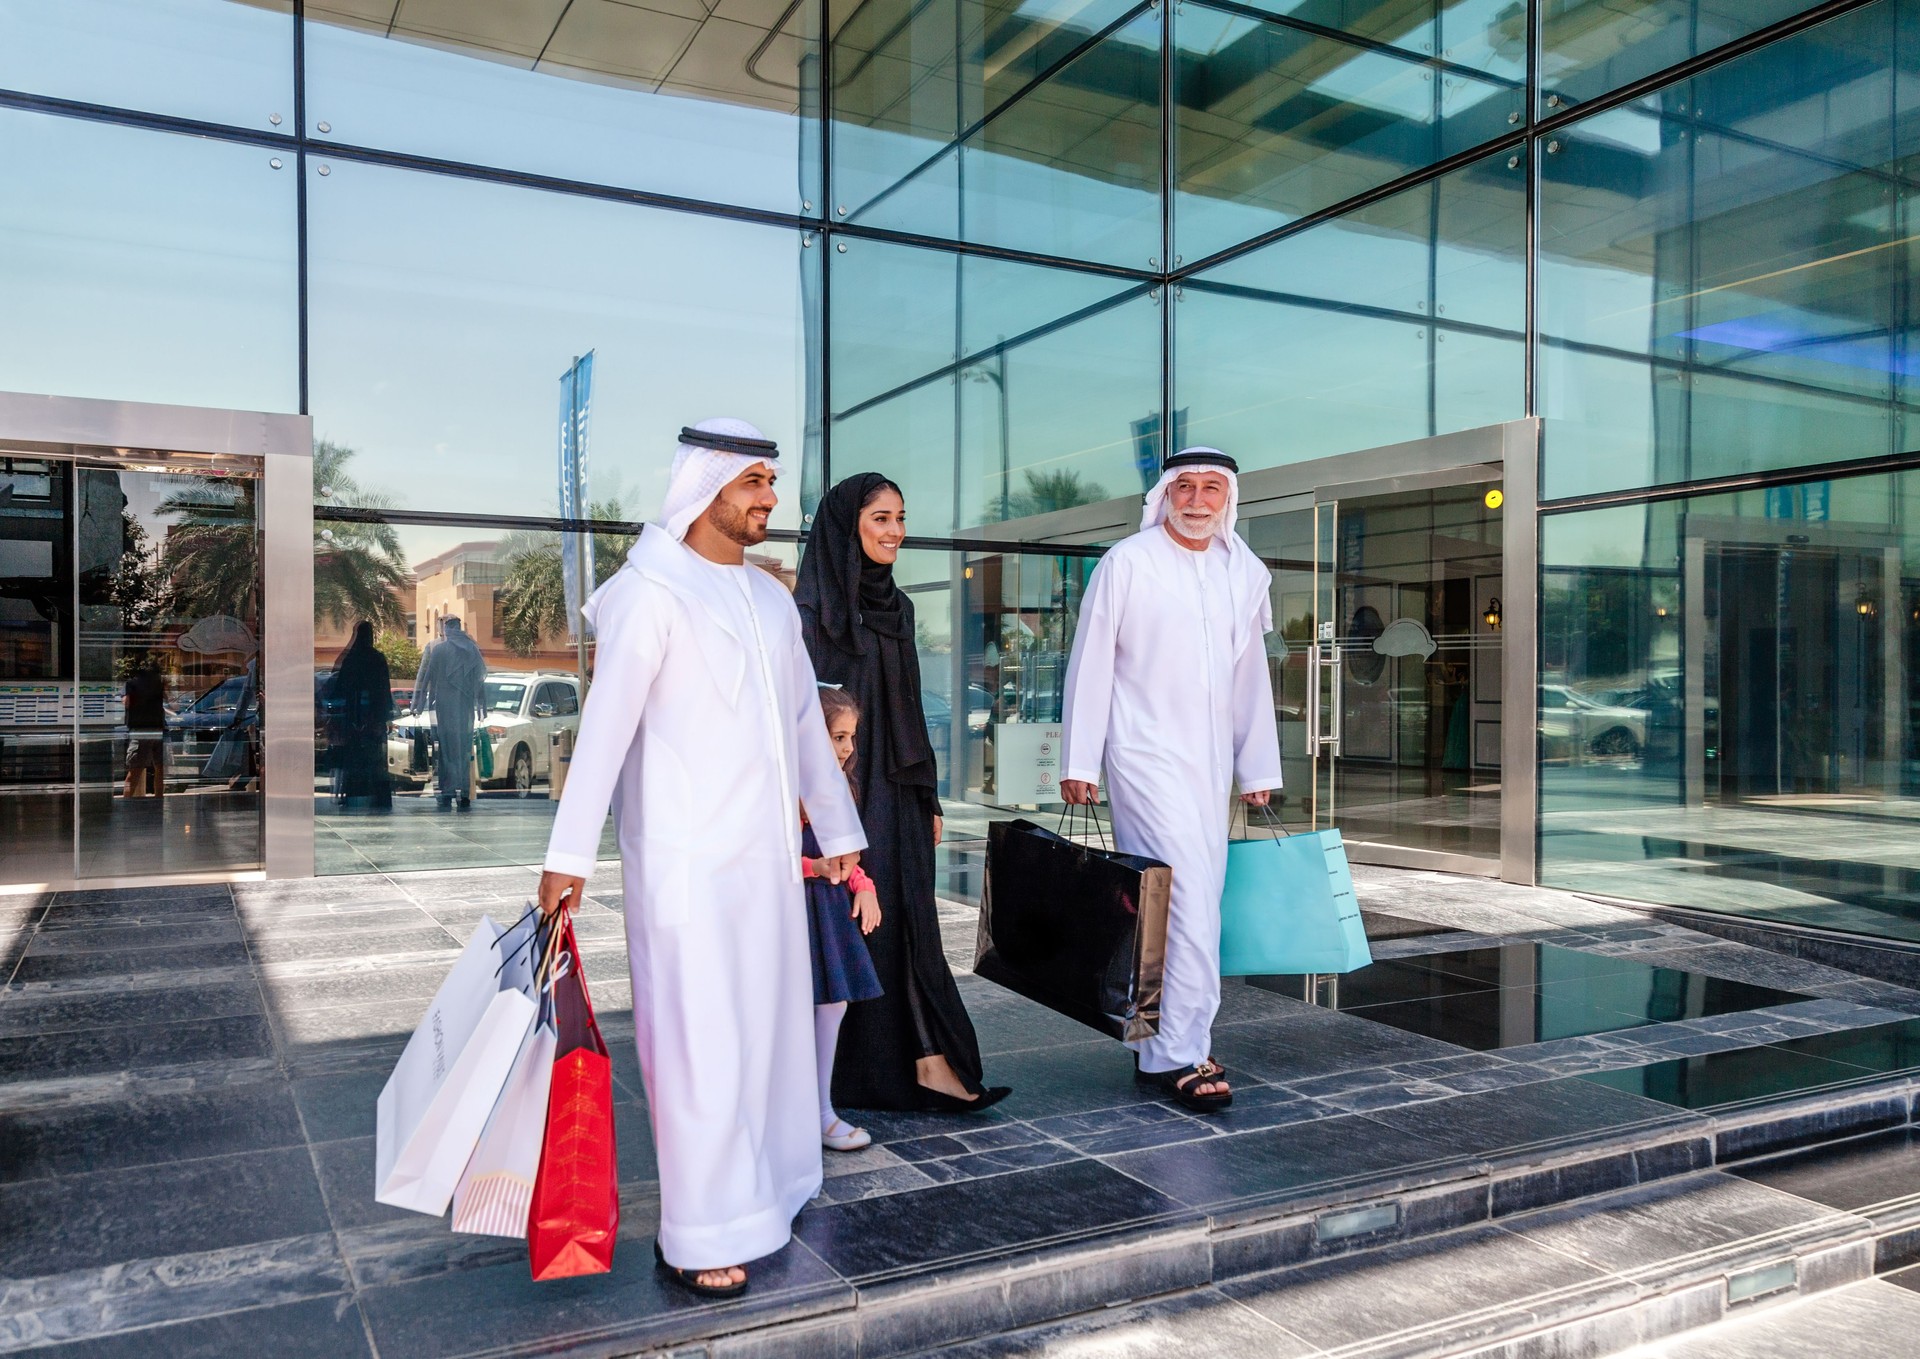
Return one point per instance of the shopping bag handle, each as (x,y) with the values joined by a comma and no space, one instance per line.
(1065,827)
(538,930)
(1271,820)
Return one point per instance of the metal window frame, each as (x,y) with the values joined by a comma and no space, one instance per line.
(129,431)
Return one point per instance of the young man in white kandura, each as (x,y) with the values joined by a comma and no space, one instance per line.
(703,729)
(1168,692)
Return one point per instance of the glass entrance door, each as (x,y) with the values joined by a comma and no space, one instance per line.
(130,625)
(1387,668)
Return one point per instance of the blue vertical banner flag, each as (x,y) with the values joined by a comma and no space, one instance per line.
(576,549)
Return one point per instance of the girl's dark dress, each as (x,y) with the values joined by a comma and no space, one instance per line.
(842,968)
(858,627)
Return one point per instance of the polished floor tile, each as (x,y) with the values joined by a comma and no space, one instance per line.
(147,1128)
(1204,1324)
(1248,1166)
(1878,1319)
(1715,1079)
(318,1328)
(90,1220)
(1524,1116)
(1846,1175)
(954,1222)
(1400,1288)
(1665,1220)
(67,1054)
(1883,1049)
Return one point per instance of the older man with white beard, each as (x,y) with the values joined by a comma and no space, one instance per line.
(1168,692)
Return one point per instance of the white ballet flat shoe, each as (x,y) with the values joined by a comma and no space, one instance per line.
(843,1136)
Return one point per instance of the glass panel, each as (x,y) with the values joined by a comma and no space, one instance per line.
(444,314)
(37,690)
(220,61)
(718,105)
(1727,703)
(1276,122)
(1398,321)
(1285,541)
(1070,168)
(1725,268)
(1588,49)
(1056,400)
(381,765)
(140,266)
(1410,583)
(167,560)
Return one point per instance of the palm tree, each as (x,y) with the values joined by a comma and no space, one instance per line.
(1049,491)
(211,554)
(533,601)
(358,569)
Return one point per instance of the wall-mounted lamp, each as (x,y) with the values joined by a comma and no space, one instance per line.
(1492,615)
(1865,606)
(1659,611)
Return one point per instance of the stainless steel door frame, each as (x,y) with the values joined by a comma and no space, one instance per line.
(1508,453)
(134,431)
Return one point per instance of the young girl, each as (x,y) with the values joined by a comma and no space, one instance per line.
(842,969)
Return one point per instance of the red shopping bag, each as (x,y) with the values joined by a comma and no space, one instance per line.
(576,1195)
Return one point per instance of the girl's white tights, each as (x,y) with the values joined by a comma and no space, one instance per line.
(826,1037)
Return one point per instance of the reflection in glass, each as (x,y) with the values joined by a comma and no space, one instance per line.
(36,668)
(1725,268)
(1727,702)
(1276,122)
(425,795)
(1589,49)
(940,128)
(217,61)
(167,670)
(991,391)
(142,266)
(718,105)
(1403,319)
(444,313)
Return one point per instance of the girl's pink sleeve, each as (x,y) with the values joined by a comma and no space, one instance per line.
(859,881)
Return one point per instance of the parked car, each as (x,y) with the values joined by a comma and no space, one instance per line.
(522,712)
(1571,720)
(194,729)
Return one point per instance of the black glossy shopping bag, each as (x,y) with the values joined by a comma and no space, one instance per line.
(1080,929)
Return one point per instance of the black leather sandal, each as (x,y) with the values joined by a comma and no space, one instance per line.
(1180,1084)
(689,1279)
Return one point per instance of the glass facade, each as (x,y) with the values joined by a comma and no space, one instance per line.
(1010,253)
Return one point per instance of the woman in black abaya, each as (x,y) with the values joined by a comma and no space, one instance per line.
(361,696)
(914,1047)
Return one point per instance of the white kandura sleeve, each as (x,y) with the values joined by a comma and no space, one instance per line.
(632,642)
(1089,697)
(823,784)
(1256,736)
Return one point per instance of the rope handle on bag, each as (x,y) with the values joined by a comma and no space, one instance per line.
(1272,820)
(1064,827)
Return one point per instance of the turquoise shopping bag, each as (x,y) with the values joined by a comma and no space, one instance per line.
(1289,907)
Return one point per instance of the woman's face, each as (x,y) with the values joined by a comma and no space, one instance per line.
(883,523)
(841,729)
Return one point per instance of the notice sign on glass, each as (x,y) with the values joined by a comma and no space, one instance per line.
(1026,763)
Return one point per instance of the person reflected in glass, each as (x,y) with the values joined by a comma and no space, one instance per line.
(452,676)
(361,698)
(145,705)
(914,1046)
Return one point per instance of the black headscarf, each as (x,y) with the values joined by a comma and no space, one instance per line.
(362,686)
(858,609)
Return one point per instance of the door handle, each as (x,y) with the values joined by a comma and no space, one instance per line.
(1337,698)
(1313,700)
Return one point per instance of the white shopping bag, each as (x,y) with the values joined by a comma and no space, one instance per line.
(495,1193)
(436,1103)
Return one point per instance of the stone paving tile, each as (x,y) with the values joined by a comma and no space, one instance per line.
(339,973)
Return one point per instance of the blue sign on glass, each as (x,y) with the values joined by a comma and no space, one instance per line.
(576,406)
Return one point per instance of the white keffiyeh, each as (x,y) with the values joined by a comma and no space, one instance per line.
(700,473)
(1156,510)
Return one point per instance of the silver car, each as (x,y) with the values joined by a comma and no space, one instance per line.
(523,710)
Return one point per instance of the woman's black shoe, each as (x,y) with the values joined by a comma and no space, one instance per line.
(939,1102)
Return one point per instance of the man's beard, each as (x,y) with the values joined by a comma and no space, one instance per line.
(1196,527)
(736,525)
